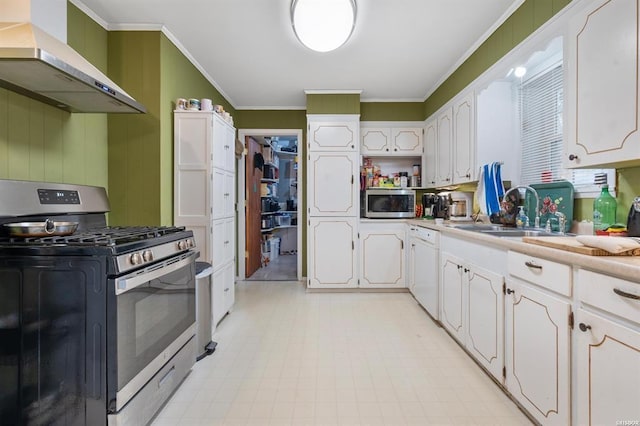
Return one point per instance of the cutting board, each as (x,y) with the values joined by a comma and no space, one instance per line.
(570,244)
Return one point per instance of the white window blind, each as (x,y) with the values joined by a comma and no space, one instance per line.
(540,110)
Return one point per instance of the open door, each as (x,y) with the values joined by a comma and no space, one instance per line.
(253,175)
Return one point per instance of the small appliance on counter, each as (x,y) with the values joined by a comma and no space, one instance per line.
(461,206)
(392,203)
(633,220)
(436,206)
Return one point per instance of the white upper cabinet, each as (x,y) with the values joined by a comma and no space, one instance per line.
(430,160)
(443,147)
(602,85)
(391,141)
(333,133)
(464,139)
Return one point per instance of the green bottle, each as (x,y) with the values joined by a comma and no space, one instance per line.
(604,210)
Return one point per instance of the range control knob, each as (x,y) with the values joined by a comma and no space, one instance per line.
(191,243)
(135,259)
(182,245)
(147,255)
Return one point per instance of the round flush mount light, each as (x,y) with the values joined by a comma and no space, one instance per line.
(323,25)
(520,72)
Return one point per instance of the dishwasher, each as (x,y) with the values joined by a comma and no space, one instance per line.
(424,268)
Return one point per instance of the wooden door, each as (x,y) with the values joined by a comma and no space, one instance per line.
(252,209)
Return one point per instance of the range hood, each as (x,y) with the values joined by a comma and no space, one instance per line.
(38,65)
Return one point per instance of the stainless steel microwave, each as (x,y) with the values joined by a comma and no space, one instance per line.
(390,203)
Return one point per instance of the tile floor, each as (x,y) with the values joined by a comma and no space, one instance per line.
(282,268)
(288,357)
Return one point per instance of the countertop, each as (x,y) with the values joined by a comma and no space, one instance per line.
(626,267)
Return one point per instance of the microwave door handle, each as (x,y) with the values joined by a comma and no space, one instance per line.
(130,282)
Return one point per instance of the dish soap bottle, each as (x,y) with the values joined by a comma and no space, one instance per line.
(522,220)
(604,210)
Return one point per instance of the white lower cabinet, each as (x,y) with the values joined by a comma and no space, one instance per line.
(222,292)
(472,310)
(382,256)
(607,350)
(332,261)
(537,356)
(452,295)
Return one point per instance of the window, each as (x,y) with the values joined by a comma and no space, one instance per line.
(540,100)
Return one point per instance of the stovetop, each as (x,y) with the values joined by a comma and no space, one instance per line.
(106,236)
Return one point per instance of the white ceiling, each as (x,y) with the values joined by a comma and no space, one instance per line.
(400,50)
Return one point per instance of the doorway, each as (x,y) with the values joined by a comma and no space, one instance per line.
(269,235)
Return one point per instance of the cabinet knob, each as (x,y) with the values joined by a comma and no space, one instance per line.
(468,175)
(509,291)
(395,149)
(386,149)
(466,269)
(572,157)
(584,327)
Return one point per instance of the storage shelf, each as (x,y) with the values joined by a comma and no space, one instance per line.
(265,180)
(285,153)
(267,230)
(272,164)
(268,213)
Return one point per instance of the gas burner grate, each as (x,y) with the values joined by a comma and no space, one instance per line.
(108,236)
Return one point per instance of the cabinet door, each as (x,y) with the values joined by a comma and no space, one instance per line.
(375,141)
(332,185)
(333,136)
(430,159)
(218,246)
(332,252)
(443,150)
(229,194)
(464,140)
(217,295)
(424,275)
(219,185)
(607,371)
(229,240)
(485,318)
(406,141)
(230,148)
(537,352)
(192,176)
(602,94)
(451,290)
(229,289)
(382,259)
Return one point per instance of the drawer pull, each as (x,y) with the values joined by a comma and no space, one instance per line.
(533,265)
(625,294)
(509,291)
(584,327)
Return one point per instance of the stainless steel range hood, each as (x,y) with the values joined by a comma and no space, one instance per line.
(38,65)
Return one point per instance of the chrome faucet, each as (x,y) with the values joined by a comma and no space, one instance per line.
(537,209)
(562,221)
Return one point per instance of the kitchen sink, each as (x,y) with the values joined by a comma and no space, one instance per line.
(521,233)
(502,231)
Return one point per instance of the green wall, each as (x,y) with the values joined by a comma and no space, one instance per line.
(392,111)
(40,142)
(333,103)
(141,145)
(524,21)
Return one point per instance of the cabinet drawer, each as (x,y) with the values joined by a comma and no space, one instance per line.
(545,273)
(611,294)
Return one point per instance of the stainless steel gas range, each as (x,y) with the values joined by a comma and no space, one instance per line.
(97,324)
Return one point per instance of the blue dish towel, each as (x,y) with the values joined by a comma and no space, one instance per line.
(491,187)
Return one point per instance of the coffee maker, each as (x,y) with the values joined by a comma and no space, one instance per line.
(436,206)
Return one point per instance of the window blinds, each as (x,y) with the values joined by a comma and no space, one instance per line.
(540,110)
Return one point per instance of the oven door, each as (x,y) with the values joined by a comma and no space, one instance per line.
(155,316)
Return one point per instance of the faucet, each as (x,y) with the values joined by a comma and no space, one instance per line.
(537,209)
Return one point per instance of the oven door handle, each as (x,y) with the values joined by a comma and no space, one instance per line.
(132,281)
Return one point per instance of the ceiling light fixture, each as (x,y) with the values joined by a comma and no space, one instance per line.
(520,72)
(323,25)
